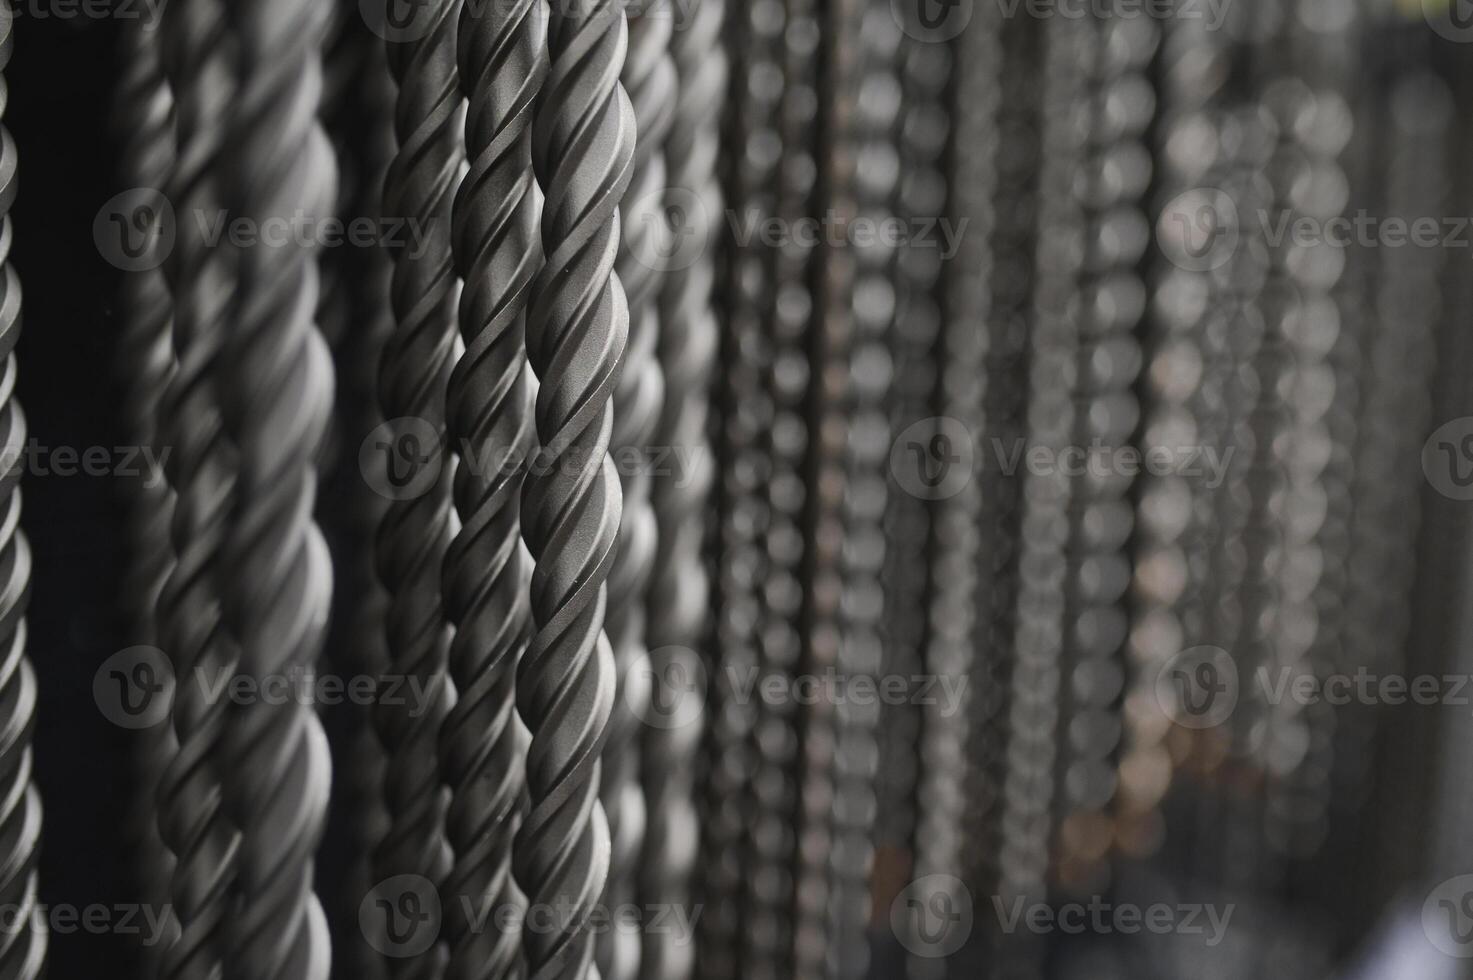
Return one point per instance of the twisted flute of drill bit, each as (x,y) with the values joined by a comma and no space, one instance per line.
(649,78)
(275,386)
(145,116)
(503,64)
(23,946)
(583,150)
(192,820)
(679,591)
(416,530)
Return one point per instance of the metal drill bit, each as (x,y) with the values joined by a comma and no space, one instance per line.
(577,328)
(679,591)
(192,821)
(1117,168)
(953,614)
(412,540)
(503,64)
(648,77)
(863,607)
(145,120)
(23,949)
(920,188)
(275,383)
(355,316)
(788,313)
(1034,708)
(1182,381)
(753,40)
(829,403)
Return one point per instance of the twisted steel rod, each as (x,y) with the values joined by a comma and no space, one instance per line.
(577,329)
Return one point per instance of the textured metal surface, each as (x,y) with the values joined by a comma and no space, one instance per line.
(145,117)
(274,380)
(415,532)
(192,821)
(679,594)
(583,151)
(753,41)
(503,64)
(648,76)
(23,948)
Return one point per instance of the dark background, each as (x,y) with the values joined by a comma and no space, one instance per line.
(61,83)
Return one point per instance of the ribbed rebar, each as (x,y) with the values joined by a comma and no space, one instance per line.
(201,470)
(583,152)
(649,78)
(503,65)
(23,947)
(145,121)
(680,589)
(412,539)
(274,379)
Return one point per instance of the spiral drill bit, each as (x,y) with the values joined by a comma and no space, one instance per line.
(22,948)
(1118,169)
(583,154)
(415,532)
(192,820)
(679,590)
(355,316)
(648,77)
(503,64)
(146,125)
(275,385)
(745,413)
(788,315)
